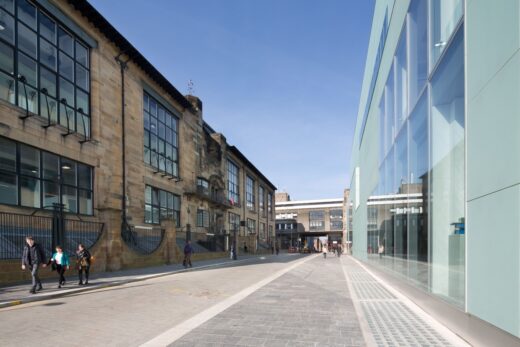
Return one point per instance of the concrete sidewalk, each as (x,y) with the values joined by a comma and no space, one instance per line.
(19,294)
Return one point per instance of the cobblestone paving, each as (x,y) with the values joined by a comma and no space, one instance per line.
(308,306)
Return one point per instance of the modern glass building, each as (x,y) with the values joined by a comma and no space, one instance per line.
(435,167)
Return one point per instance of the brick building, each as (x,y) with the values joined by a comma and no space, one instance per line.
(87,122)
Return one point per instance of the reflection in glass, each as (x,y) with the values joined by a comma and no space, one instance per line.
(68,171)
(415,215)
(85,202)
(7,155)
(48,54)
(401,90)
(447,173)
(6,58)
(51,166)
(8,188)
(66,42)
(69,199)
(27,13)
(29,161)
(51,194)
(7,92)
(418,49)
(389,111)
(27,69)
(8,32)
(27,40)
(444,18)
(47,28)
(29,192)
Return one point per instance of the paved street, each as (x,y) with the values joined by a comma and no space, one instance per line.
(285,300)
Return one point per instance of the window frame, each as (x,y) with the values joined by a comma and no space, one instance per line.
(157,205)
(166,122)
(41,101)
(40,178)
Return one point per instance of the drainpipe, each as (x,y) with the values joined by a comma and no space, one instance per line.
(123,65)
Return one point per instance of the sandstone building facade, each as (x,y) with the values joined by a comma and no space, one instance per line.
(96,146)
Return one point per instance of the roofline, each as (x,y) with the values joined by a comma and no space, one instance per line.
(253,168)
(299,202)
(280,209)
(111,33)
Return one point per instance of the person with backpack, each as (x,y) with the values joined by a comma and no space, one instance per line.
(84,261)
(60,262)
(32,257)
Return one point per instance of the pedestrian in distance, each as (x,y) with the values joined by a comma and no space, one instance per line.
(245,248)
(324,250)
(60,263)
(340,250)
(188,251)
(381,250)
(32,257)
(277,250)
(272,249)
(84,260)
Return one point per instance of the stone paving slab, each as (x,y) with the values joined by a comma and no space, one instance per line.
(308,306)
(19,294)
(392,319)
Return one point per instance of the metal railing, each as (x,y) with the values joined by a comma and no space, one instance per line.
(15,227)
(76,232)
(217,197)
(144,240)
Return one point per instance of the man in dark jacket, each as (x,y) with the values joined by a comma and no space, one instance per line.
(188,251)
(33,256)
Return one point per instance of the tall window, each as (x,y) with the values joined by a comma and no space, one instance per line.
(251,226)
(160,137)
(34,178)
(160,204)
(233,187)
(336,219)
(234,222)
(250,193)
(317,220)
(270,203)
(202,186)
(43,67)
(261,202)
(263,234)
(202,218)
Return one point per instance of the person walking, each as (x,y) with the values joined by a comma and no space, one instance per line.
(60,262)
(324,250)
(188,251)
(381,250)
(32,257)
(84,259)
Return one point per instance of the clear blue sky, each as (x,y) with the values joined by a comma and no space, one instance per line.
(280,78)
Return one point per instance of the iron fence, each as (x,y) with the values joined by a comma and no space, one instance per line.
(15,227)
(76,232)
(144,240)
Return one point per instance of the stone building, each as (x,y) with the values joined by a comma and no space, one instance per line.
(97,146)
(302,223)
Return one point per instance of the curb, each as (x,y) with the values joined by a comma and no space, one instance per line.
(37,298)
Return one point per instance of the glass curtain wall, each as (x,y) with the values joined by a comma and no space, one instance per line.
(416,212)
